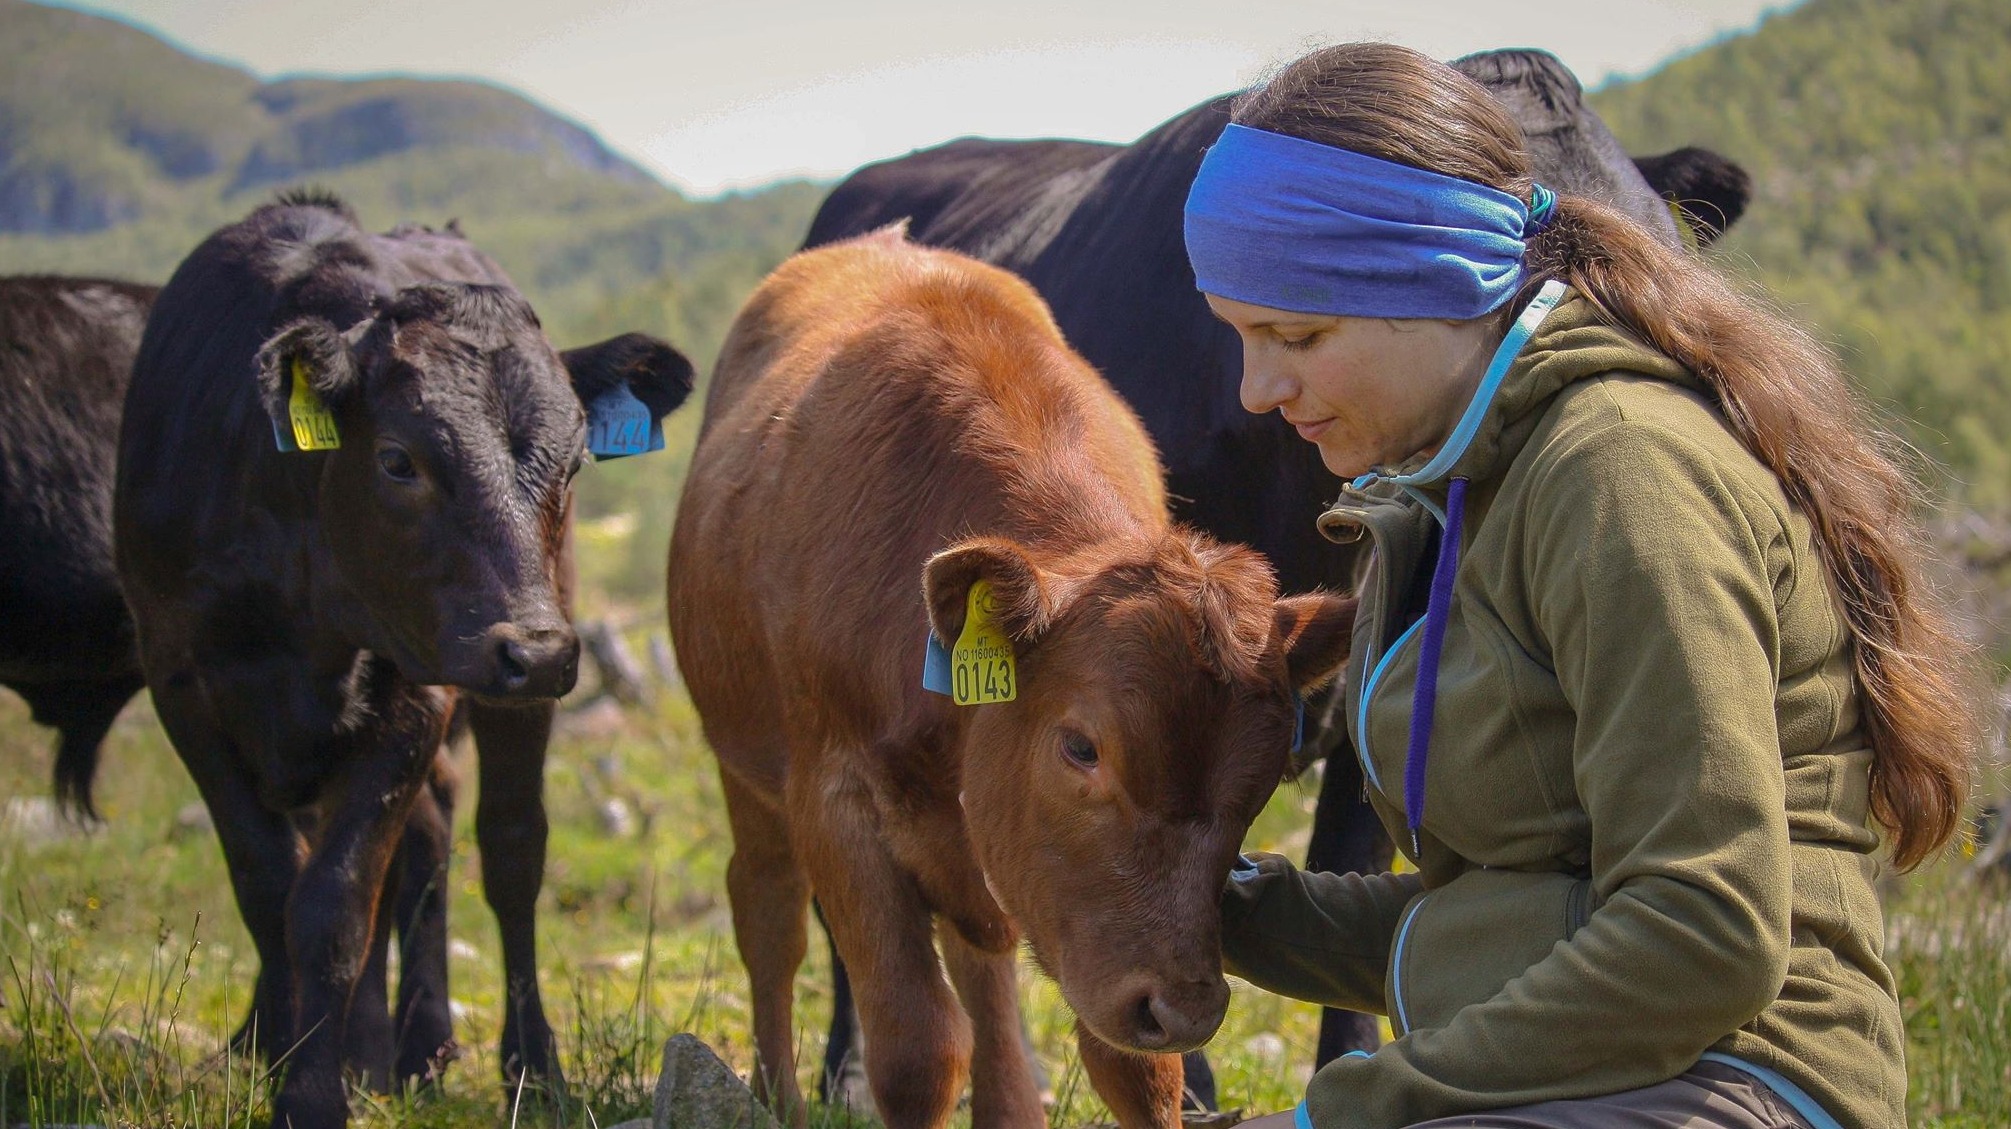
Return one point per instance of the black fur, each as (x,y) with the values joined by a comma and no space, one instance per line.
(1712,191)
(66,641)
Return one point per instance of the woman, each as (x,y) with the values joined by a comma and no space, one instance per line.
(1645,659)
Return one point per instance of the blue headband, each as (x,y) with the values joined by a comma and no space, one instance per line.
(1296,225)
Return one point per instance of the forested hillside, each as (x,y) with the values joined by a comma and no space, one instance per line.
(102,123)
(1875,131)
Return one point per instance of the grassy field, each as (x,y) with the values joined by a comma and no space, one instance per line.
(123,964)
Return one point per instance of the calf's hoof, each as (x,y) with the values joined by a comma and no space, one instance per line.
(320,1106)
(418,1070)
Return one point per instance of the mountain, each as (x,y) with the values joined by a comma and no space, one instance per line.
(102,123)
(1875,131)
(119,151)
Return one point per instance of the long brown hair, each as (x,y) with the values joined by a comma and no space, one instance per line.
(1784,394)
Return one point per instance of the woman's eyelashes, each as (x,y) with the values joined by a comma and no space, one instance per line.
(1298,343)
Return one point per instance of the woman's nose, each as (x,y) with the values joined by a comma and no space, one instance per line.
(1264,387)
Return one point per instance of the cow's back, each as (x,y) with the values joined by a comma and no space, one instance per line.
(200,475)
(874,402)
(66,352)
(1098,232)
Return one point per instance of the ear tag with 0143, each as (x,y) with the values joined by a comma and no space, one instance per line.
(983,668)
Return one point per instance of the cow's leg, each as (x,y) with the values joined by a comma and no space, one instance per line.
(918,1040)
(1142,1090)
(425,1027)
(841,1059)
(510,831)
(769,893)
(332,915)
(366,1034)
(1003,1090)
(260,848)
(1197,1082)
(1347,837)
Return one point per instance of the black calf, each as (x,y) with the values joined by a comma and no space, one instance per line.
(343,498)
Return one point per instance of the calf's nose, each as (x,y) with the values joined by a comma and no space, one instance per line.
(532,662)
(1178,1017)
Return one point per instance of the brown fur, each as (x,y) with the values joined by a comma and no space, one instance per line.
(883,413)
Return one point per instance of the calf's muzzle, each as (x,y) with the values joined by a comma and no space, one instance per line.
(1168,1016)
(518,661)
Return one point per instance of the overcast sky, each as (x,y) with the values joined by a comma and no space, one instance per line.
(731,93)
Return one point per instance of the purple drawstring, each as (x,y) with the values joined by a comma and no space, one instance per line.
(1437,609)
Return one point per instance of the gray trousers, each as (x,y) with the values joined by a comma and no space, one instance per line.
(1709,1095)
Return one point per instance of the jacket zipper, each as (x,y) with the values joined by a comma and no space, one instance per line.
(1379,661)
(1399,1013)
(1368,695)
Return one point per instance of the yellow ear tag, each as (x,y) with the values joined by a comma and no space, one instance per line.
(313,423)
(982,666)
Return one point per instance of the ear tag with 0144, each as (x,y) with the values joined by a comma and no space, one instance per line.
(618,424)
(310,425)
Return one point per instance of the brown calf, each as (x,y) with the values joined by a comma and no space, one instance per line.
(884,414)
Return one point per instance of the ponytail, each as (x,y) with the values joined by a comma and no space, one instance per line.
(1790,404)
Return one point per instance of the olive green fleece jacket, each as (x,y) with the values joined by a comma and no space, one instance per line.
(1645,833)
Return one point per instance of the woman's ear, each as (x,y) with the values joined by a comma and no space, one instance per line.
(1021,604)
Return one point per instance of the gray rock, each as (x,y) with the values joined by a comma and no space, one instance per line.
(36,821)
(192,819)
(698,1091)
(617,819)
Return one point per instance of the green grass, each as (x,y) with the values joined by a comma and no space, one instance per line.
(123,965)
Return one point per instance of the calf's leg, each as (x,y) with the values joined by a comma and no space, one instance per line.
(918,1040)
(1003,1090)
(425,1027)
(1142,1090)
(510,830)
(260,847)
(769,893)
(331,918)
(367,1037)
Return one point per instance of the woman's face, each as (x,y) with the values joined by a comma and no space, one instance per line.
(1369,392)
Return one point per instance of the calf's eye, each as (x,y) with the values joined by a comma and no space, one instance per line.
(396,464)
(1079,750)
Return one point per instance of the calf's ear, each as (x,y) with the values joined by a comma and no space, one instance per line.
(650,367)
(312,351)
(1317,632)
(1020,597)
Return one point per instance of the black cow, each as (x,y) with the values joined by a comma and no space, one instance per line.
(1096,228)
(343,493)
(66,642)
